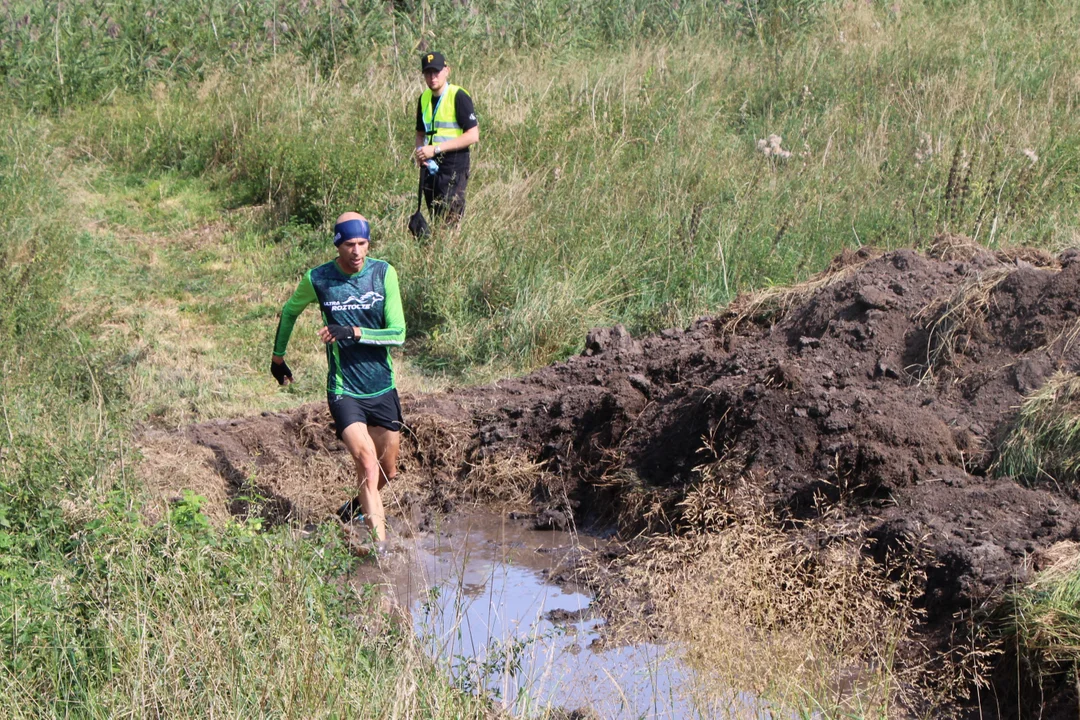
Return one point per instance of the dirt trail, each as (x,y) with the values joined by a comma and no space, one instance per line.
(874,393)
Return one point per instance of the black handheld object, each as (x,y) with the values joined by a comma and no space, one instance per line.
(280,371)
(341,332)
(417,224)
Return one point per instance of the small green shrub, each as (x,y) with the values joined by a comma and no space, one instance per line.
(187,516)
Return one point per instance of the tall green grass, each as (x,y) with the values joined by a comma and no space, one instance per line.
(1046,619)
(1039,627)
(619,179)
(54,54)
(1044,441)
(106,612)
(631,187)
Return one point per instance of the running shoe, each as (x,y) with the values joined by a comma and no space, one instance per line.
(350,511)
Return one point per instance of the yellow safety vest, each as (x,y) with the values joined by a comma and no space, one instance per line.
(444,126)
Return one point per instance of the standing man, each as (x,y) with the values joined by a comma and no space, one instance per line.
(362,316)
(445,128)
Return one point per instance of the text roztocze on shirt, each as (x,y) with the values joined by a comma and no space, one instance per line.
(365,302)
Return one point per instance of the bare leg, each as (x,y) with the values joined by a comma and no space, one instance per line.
(387,443)
(362,448)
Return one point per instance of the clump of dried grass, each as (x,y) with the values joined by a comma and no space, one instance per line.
(773,304)
(435,444)
(952,247)
(1032,256)
(956,321)
(759,611)
(804,620)
(1063,341)
(721,496)
(171,464)
(315,484)
(506,481)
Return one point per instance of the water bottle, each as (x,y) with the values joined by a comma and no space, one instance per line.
(432,167)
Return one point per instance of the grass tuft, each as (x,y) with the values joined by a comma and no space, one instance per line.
(506,482)
(1046,612)
(810,630)
(1043,443)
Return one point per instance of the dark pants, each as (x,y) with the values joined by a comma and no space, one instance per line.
(445,192)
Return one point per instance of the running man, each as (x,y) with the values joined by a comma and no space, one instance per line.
(361,309)
(445,128)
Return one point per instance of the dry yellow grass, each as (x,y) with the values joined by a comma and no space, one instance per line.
(171,464)
(804,621)
(953,322)
(759,612)
(505,482)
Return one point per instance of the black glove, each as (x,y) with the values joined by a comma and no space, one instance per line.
(341,332)
(280,371)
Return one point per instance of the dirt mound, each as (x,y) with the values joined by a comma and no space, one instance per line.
(872,396)
(879,390)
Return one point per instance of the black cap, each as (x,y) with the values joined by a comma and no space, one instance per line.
(432,61)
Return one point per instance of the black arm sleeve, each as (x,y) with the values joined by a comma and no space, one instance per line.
(420,119)
(463,109)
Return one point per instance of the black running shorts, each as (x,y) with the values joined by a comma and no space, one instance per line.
(382,410)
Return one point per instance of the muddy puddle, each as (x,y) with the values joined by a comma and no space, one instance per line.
(481,594)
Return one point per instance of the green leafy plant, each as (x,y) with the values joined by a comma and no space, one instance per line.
(186,515)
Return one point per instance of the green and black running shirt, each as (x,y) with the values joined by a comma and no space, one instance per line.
(370,300)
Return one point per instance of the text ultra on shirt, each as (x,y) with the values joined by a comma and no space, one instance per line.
(370,300)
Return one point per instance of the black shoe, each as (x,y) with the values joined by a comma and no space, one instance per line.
(350,511)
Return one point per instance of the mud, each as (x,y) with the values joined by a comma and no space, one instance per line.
(873,396)
(478,591)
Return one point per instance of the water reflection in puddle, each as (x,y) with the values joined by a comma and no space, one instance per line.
(481,602)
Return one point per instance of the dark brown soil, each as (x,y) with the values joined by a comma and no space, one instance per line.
(825,409)
(824,398)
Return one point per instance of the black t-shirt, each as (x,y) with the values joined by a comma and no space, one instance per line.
(466,118)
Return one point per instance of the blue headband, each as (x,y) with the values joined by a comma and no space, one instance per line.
(351,229)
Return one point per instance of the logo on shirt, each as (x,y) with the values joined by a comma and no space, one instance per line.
(365,302)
